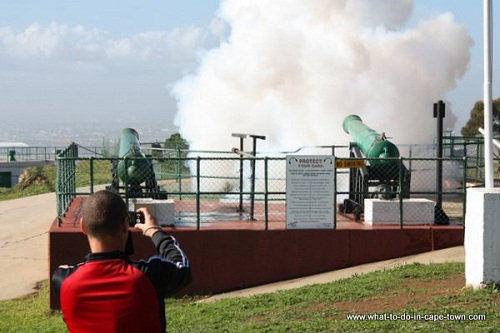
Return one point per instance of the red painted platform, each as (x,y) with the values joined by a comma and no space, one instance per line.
(231,255)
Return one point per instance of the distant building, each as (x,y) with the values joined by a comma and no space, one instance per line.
(10,168)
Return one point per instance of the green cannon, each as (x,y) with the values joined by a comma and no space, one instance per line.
(372,144)
(383,175)
(134,169)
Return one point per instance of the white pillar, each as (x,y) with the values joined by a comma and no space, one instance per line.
(487,92)
(482,237)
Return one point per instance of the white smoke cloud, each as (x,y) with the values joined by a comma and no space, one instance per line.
(292,70)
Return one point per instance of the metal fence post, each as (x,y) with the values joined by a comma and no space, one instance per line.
(91,160)
(400,192)
(178,170)
(198,205)
(464,189)
(59,169)
(334,192)
(266,197)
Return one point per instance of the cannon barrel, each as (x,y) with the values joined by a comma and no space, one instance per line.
(371,143)
(133,167)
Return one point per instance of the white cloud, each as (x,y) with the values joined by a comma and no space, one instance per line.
(70,72)
(76,43)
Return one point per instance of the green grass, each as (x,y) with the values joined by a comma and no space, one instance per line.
(413,289)
(30,314)
(42,179)
(34,181)
(99,172)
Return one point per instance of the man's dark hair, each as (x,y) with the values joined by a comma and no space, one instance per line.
(103,213)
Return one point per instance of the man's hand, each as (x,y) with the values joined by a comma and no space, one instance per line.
(150,226)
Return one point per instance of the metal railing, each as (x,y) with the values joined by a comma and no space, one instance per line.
(66,179)
(206,189)
(23,154)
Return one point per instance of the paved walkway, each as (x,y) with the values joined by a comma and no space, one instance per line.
(24,227)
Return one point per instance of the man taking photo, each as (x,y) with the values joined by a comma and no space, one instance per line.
(109,292)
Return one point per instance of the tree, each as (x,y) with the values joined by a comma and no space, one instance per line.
(176,141)
(180,147)
(476,119)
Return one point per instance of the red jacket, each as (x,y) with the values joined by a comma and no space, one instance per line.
(109,292)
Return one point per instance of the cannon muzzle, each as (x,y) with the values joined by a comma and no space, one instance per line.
(371,143)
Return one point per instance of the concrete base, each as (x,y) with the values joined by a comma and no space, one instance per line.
(163,210)
(482,237)
(415,211)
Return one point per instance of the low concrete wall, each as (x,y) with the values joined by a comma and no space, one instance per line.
(224,260)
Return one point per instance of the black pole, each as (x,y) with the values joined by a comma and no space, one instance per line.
(252,190)
(440,216)
(439,113)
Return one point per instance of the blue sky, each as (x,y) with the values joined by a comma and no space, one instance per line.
(470,14)
(122,18)
(119,59)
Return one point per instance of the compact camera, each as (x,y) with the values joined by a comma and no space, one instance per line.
(134,218)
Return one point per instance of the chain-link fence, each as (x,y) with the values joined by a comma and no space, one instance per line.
(222,187)
(404,190)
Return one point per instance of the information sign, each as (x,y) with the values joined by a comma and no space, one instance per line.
(309,192)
